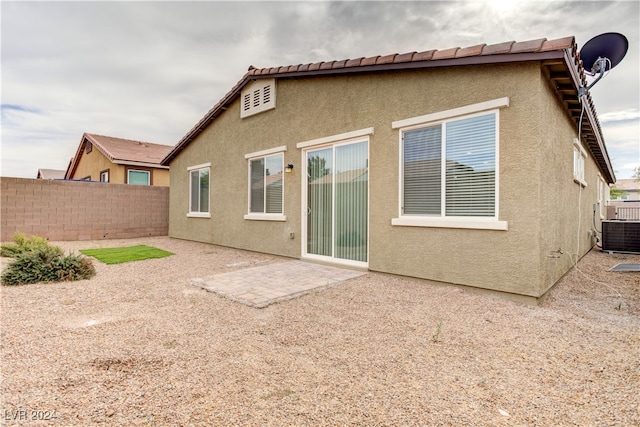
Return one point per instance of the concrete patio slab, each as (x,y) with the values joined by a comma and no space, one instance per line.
(260,286)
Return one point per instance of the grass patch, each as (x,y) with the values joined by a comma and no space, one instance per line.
(125,254)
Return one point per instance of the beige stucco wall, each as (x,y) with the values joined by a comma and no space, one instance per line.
(511,261)
(567,230)
(93,163)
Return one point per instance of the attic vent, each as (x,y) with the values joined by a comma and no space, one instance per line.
(258,96)
(266,94)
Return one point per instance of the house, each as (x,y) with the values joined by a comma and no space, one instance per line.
(627,193)
(464,165)
(50,174)
(118,160)
(625,200)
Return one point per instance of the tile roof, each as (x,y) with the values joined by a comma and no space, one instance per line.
(628,184)
(559,56)
(50,174)
(481,50)
(121,151)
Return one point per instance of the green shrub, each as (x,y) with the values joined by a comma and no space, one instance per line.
(22,244)
(73,267)
(47,264)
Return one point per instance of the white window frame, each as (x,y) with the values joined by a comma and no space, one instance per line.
(190,169)
(257,97)
(442,221)
(579,161)
(104,174)
(332,141)
(258,216)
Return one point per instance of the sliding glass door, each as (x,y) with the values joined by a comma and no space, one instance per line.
(337,201)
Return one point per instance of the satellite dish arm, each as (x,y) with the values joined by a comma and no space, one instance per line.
(600,67)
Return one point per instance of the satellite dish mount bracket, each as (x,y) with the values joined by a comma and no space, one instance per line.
(599,67)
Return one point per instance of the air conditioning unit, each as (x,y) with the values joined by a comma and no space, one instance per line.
(621,236)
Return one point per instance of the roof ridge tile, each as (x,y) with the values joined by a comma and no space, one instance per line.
(387,59)
(354,62)
(404,57)
(470,51)
(445,53)
(494,49)
(527,46)
(424,56)
(369,61)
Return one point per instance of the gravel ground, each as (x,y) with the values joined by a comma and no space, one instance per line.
(137,345)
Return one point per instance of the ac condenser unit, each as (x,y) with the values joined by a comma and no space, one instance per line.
(621,236)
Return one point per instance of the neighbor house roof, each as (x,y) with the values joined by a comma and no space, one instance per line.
(560,58)
(628,185)
(50,174)
(122,151)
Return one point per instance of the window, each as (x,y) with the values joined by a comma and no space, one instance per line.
(266,183)
(88,148)
(199,190)
(449,164)
(258,96)
(579,157)
(138,177)
(104,176)
(601,196)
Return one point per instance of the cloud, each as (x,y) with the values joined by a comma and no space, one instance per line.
(620,116)
(150,70)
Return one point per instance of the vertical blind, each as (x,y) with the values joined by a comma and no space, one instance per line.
(337,200)
(320,202)
(468,147)
(351,201)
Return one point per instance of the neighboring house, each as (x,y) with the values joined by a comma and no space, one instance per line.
(117,160)
(50,174)
(627,194)
(461,165)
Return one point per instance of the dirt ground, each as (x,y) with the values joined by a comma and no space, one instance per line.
(138,345)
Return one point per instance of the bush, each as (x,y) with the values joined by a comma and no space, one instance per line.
(22,244)
(47,264)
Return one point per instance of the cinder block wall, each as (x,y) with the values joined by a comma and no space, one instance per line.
(76,210)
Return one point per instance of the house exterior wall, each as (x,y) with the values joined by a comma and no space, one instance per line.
(308,108)
(94,162)
(568,227)
(80,210)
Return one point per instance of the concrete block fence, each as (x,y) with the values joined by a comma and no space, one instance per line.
(81,210)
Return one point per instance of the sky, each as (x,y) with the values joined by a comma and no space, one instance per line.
(149,70)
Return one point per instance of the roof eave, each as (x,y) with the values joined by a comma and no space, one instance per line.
(566,55)
(235,92)
(594,137)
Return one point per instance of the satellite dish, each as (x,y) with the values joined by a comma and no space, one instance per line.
(600,54)
(610,46)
